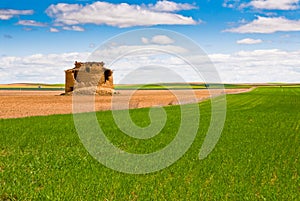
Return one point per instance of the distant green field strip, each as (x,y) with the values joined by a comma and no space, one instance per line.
(256,158)
(33,89)
(159,87)
(34,86)
(165,86)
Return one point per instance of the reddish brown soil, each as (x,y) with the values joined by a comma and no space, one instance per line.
(15,104)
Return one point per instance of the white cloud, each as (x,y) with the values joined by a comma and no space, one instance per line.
(273,4)
(27,28)
(119,15)
(158,39)
(42,68)
(270,65)
(145,40)
(162,40)
(267,25)
(249,41)
(6,14)
(73,28)
(92,45)
(266,65)
(31,23)
(231,3)
(114,52)
(54,30)
(171,6)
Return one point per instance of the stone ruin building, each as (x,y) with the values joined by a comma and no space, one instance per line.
(89,78)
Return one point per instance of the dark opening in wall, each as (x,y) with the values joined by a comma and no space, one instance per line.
(107,74)
(75,74)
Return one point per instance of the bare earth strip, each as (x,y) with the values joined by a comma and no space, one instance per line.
(16,104)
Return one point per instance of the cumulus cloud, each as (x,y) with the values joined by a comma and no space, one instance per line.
(31,23)
(32,68)
(6,14)
(73,28)
(273,4)
(120,15)
(162,39)
(145,40)
(27,29)
(270,65)
(158,39)
(267,25)
(249,41)
(231,3)
(135,52)
(171,6)
(42,68)
(149,63)
(53,30)
(257,66)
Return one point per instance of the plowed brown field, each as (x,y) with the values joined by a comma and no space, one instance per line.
(15,104)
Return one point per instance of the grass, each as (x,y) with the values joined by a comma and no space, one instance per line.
(256,158)
(32,86)
(163,86)
(159,86)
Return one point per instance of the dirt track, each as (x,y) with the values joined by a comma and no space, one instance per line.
(15,104)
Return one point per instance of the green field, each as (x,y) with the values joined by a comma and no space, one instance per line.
(164,86)
(155,86)
(256,158)
(33,87)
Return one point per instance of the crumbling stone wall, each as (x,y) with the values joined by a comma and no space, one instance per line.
(89,78)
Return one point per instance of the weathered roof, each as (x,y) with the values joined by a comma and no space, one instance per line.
(95,66)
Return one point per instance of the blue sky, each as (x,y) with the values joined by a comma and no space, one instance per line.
(247,40)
